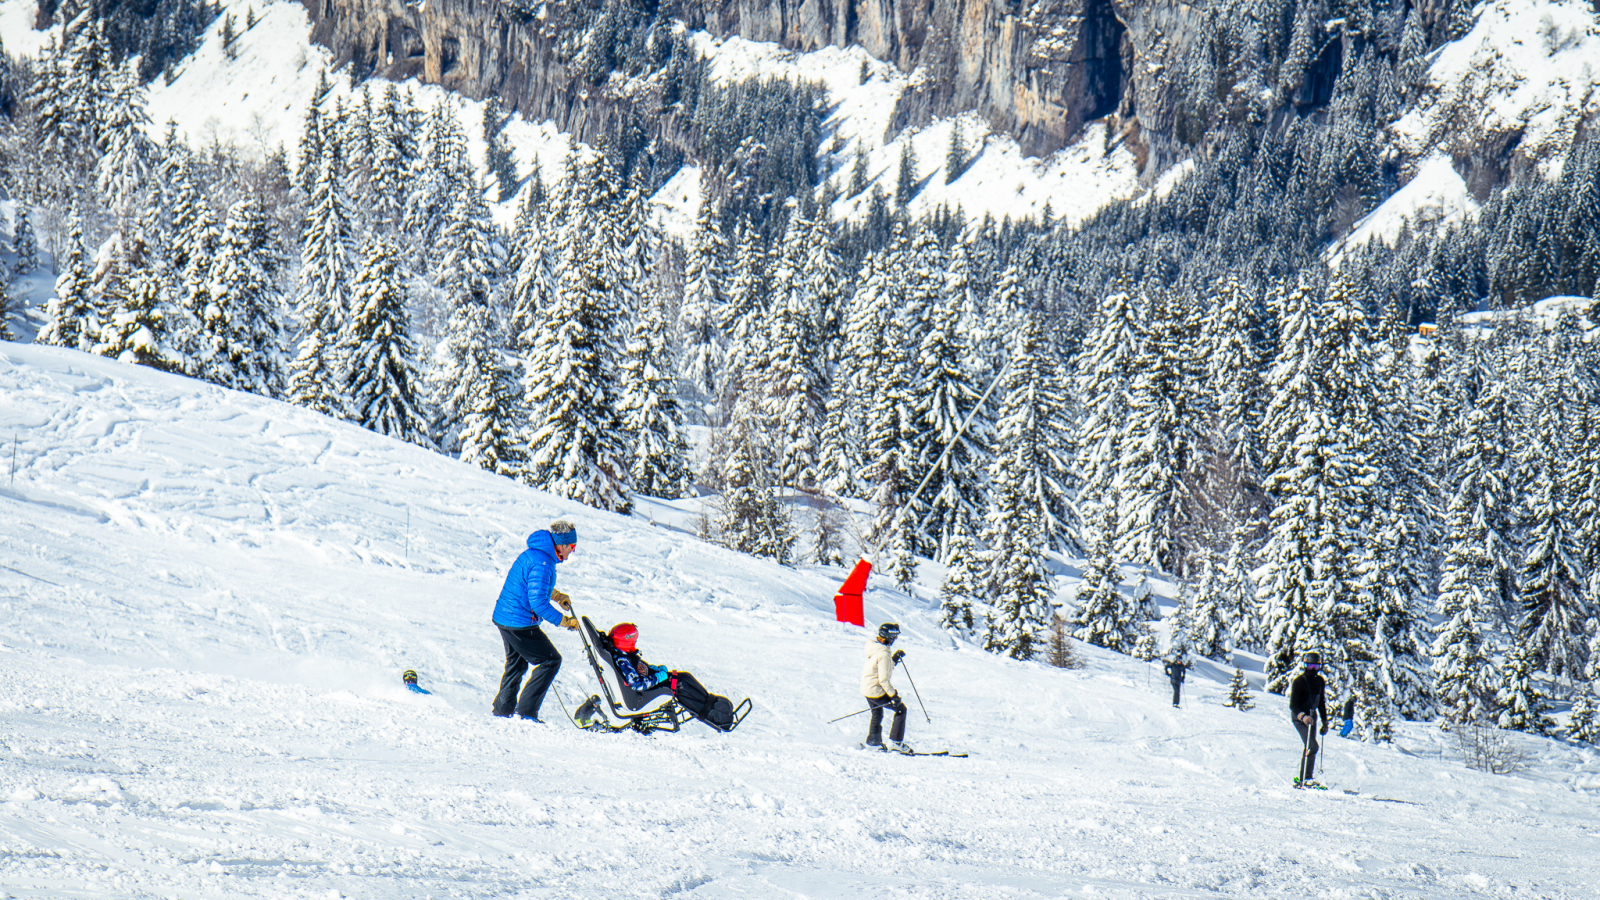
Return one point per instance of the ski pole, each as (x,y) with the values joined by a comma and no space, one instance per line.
(918,693)
(856,713)
(1305,751)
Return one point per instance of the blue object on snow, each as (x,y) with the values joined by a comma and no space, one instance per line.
(1344,730)
(417,690)
(527,590)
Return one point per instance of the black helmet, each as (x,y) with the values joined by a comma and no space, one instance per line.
(888,631)
(409,676)
(1313,658)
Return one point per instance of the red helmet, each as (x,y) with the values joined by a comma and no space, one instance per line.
(625,637)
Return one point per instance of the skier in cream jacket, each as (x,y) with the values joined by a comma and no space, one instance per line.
(879,690)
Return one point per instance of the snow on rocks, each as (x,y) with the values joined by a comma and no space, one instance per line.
(1436,194)
(1524,74)
(207,598)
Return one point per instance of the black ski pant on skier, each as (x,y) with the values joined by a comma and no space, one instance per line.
(897,730)
(1177,689)
(526,647)
(1308,740)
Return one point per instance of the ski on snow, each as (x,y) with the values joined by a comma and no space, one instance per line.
(959,754)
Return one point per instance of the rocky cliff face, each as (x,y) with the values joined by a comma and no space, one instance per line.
(1037,69)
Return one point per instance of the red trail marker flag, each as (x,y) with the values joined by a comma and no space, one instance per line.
(847,603)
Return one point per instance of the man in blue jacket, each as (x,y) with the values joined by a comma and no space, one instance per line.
(530,595)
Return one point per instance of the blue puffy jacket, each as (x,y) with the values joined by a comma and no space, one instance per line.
(528,587)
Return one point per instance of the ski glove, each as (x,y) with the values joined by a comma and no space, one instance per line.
(561,599)
(569,623)
(898,655)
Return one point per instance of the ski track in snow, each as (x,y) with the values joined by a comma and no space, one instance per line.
(207,598)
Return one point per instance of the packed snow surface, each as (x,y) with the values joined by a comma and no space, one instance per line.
(206,599)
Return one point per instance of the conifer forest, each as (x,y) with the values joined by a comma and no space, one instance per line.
(1389,452)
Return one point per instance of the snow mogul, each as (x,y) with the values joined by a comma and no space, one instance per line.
(528,597)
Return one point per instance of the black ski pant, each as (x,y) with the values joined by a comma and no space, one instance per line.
(897,730)
(1308,740)
(526,647)
(1177,688)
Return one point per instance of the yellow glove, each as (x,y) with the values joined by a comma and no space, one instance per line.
(562,600)
(569,623)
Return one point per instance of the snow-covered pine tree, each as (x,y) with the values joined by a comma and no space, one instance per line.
(380,373)
(1467,581)
(1181,630)
(1583,720)
(470,251)
(1238,588)
(122,172)
(497,156)
(24,242)
(313,143)
(889,427)
(963,581)
(395,156)
(705,286)
(1233,358)
(534,283)
(744,313)
(1398,558)
(70,314)
(1024,476)
(1309,592)
(1105,370)
(1101,614)
(1022,608)
(1554,608)
(791,366)
(316,376)
(854,378)
(1239,692)
(946,398)
(139,328)
(650,414)
(1522,703)
(482,388)
(1161,441)
(442,178)
(906,183)
(1208,617)
(751,519)
(577,446)
(243,316)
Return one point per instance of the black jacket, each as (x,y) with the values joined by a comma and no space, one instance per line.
(1308,693)
(1176,670)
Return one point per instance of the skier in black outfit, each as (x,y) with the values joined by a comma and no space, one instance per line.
(1176,669)
(1308,698)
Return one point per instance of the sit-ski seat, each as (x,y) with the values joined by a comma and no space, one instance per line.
(624,707)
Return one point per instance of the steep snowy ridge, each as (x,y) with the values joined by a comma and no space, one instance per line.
(206,598)
(253,95)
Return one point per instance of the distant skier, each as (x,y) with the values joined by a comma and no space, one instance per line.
(1308,698)
(880,692)
(1176,668)
(528,596)
(1349,716)
(409,676)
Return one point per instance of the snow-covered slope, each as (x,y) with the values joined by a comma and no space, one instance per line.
(206,597)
